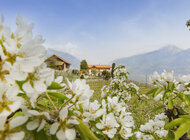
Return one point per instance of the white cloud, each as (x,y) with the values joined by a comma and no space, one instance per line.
(69,47)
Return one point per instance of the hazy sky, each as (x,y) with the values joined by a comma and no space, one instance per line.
(103,30)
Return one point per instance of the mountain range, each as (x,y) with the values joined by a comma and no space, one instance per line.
(75,62)
(167,58)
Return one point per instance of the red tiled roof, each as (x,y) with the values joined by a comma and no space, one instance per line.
(63,59)
(99,66)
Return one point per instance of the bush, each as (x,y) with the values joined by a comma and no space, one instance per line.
(79,72)
(85,72)
(106,74)
(75,71)
(83,65)
(82,77)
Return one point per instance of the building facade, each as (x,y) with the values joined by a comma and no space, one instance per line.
(58,62)
(99,68)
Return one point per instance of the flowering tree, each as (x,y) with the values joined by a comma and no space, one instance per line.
(175,96)
(33,103)
(25,82)
(36,104)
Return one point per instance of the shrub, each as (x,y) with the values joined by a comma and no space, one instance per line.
(79,72)
(83,65)
(75,71)
(106,74)
(82,77)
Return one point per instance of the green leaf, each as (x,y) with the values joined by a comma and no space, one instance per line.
(157,92)
(20,84)
(152,91)
(166,95)
(58,95)
(40,135)
(170,103)
(185,116)
(171,86)
(54,86)
(53,137)
(180,96)
(42,106)
(23,95)
(86,131)
(81,108)
(82,133)
(187,99)
(173,123)
(175,112)
(171,135)
(183,111)
(183,128)
(158,108)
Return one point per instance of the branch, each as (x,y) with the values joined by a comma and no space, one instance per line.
(12,114)
(51,101)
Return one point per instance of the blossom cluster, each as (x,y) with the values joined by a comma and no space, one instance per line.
(113,117)
(153,128)
(119,85)
(24,78)
(166,81)
(174,92)
(79,96)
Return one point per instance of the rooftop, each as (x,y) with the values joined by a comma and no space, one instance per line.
(99,66)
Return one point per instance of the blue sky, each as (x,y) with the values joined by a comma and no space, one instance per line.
(103,30)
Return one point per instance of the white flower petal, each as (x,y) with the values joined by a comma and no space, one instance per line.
(27,87)
(40,86)
(59,79)
(99,125)
(60,135)
(3,119)
(33,124)
(63,113)
(16,136)
(71,121)
(42,124)
(53,128)
(34,112)
(70,134)
(15,122)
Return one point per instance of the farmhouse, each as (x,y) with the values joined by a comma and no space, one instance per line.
(99,68)
(58,62)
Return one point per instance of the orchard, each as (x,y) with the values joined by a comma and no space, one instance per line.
(34,104)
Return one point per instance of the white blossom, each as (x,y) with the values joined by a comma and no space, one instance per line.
(81,90)
(108,125)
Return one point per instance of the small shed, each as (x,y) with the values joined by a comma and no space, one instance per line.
(58,62)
